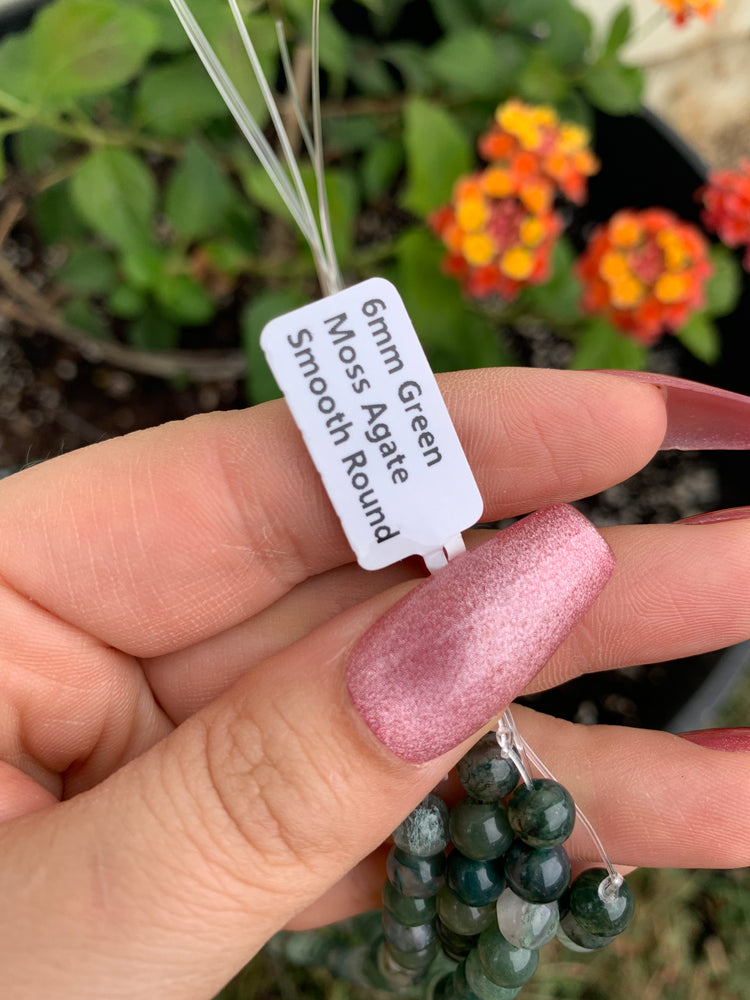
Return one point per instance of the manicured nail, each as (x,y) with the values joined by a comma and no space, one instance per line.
(461,646)
(716,516)
(736,739)
(698,416)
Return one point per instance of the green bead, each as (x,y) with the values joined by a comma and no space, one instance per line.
(414,961)
(542,815)
(537,874)
(502,962)
(414,876)
(480,830)
(483,987)
(600,913)
(425,830)
(485,775)
(455,946)
(476,883)
(456,986)
(409,910)
(407,938)
(574,937)
(461,918)
(396,976)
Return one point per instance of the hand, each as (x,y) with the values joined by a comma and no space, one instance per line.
(183,772)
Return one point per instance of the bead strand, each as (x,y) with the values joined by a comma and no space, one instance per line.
(502,893)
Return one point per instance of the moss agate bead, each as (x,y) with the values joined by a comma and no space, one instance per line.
(542,815)
(460,917)
(485,775)
(456,946)
(425,830)
(575,938)
(414,876)
(407,938)
(502,962)
(483,987)
(538,874)
(598,912)
(476,883)
(409,910)
(480,830)
(525,924)
(456,986)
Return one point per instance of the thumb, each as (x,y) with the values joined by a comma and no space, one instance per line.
(166,878)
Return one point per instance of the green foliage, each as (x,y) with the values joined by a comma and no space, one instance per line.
(166,221)
(437,153)
(701,337)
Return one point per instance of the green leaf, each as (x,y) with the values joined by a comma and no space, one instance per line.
(153,332)
(114,192)
(126,302)
(177,98)
(380,167)
(36,150)
(541,80)
(198,194)
(144,266)
(83,315)
(184,300)
(88,270)
(55,218)
(724,287)
(557,300)
(437,154)
(612,87)
(701,337)
(451,15)
(15,71)
(412,62)
(600,345)
(474,64)
(260,383)
(172,36)
(569,34)
(619,30)
(88,46)
(526,14)
(370,74)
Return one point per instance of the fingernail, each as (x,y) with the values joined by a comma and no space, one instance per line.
(698,416)
(716,516)
(461,646)
(735,739)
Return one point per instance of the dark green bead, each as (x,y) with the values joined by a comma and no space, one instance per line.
(455,946)
(409,910)
(485,775)
(414,876)
(415,961)
(483,987)
(605,917)
(480,830)
(407,938)
(537,874)
(503,963)
(456,986)
(573,930)
(461,918)
(476,883)
(425,830)
(396,975)
(542,815)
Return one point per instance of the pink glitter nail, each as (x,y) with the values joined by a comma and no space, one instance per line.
(460,647)
(736,739)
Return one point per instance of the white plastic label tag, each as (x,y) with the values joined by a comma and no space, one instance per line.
(367,404)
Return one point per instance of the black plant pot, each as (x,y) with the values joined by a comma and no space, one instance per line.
(645,164)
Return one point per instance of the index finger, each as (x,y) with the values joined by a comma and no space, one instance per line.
(162,538)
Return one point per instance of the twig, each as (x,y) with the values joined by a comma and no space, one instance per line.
(9,217)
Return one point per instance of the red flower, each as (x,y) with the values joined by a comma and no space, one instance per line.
(499,232)
(530,142)
(645,272)
(726,207)
(683,10)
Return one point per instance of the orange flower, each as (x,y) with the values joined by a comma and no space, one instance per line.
(726,207)
(683,10)
(532,145)
(496,242)
(645,272)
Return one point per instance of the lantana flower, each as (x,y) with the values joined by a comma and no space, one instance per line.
(499,233)
(726,207)
(683,10)
(645,272)
(501,226)
(531,143)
